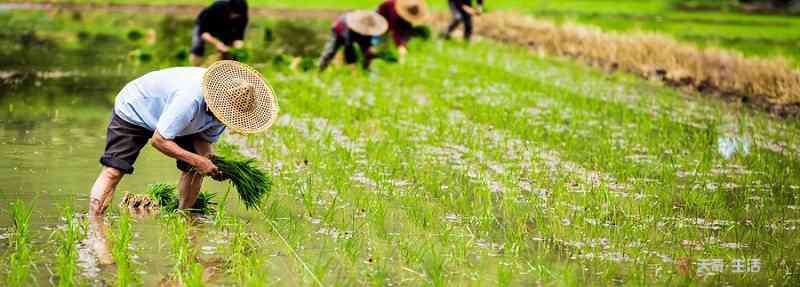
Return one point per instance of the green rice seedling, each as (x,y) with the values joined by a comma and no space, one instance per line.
(188,271)
(245,262)
(167,198)
(20,261)
(165,195)
(252,183)
(121,252)
(67,252)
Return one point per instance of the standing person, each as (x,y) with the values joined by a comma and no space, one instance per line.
(402,15)
(182,112)
(222,25)
(357,27)
(462,11)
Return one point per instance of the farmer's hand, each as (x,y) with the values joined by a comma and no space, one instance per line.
(205,167)
(402,51)
(222,47)
(469,10)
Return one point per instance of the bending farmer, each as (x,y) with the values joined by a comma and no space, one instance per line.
(462,11)
(402,15)
(222,25)
(358,27)
(182,112)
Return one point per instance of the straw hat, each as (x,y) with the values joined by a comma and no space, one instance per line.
(239,97)
(414,11)
(366,23)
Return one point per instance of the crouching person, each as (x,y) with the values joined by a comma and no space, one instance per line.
(182,112)
(357,27)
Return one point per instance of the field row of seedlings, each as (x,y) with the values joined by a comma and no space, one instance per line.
(508,177)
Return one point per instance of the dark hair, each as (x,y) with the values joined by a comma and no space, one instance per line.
(238,6)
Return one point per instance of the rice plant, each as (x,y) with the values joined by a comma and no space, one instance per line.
(20,260)
(121,252)
(252,183)
(67,252)
(246,263)
(167,198)
(187,270)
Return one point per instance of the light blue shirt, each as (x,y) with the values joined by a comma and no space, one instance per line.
(171,102)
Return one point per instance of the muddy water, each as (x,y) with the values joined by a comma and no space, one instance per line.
(59,74)
(51,142)
(52,133)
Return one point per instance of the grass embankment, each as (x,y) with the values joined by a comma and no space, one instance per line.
(753,35)
(769,83)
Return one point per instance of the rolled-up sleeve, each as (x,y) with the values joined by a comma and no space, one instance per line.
(176,116)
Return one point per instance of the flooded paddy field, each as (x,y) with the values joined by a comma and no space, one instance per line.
(470,165)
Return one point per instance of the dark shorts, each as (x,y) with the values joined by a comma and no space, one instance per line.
(124,141)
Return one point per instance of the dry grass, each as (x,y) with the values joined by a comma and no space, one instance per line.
(769,83)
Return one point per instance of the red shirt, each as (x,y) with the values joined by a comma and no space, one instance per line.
(401,29)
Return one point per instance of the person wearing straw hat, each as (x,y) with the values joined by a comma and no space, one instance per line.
(222,25)
(402,15)
(181,112)
(462,11)
(354,28)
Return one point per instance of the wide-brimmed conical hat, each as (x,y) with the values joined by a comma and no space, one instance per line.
(366,23)
(413,11)
(239,97)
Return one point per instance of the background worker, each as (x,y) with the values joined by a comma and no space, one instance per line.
(354,28)
(222,25)
(462,11)
(402,16)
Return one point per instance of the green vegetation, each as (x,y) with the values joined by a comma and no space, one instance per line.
(756,35)
(476,164)
(187,270)
(167,197)
(252,183)
(67,252)
(19,262)
(246,262)
(121,252)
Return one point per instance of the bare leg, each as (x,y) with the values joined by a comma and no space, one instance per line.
(188,188)
(97,239)
(191,182)
(103,190)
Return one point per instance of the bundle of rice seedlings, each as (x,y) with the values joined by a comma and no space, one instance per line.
(252,183)
(167,197)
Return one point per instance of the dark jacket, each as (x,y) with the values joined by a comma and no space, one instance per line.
(216,20)
(458,3)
